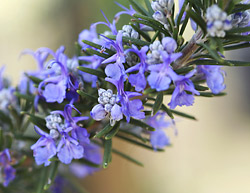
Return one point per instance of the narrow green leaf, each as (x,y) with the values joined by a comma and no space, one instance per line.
(209,94)
(183,8)
(183,114)
(97,46)
(52,174)
(139,8)
(26,97)
(200,88)
(141,124)
(149,19)
(127,157)
(131,40)
(240,8)
(157,33)
(95,72)
(158,103)
(85,95)
(150,24)
(238,38)
(89,163)
(126,131)
(148,5)
(38,121)
(184,25)
(43,180)
(5,118)
(229,63)
(184,70)
(239,30)
(212,52)
(137,143)
(8,141)
(113,132)
(1,140)
(107,156)
(104,131)
(34,79)
(167,110)
(237,46)
(94,52)
(16,116)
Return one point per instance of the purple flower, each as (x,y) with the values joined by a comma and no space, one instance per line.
(65,139)
(112,26)
(161,74)
(138,80)
(44,149)
(61,78)
(116,70)
(214,76)
(126,11)
(158,138)
(183,84)
(68,148)
(8,173)
(130,108)
(89,35)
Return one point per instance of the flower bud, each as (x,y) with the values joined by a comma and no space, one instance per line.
(98,112)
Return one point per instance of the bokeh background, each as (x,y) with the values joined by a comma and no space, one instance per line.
(210,155)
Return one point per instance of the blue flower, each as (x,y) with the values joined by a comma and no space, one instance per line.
(65,139)
(8,173)
(130,108)
(44,149)
(112,26)
(138,80)
(116,70)
(214,77)
(61,80)
(183,84)
(126,11)
(68,148)
(161,74)
(158,138)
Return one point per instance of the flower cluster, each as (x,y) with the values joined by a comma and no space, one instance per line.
(217,21)
(163,9)
(65,139)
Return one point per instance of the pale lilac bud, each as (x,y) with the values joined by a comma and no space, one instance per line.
(169,44)
(98,112)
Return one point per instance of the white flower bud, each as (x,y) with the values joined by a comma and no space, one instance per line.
(160,16)
(54,133)
(112,101)
(134,34)
(105,100)
(156,6)
(109,93)
(127,28)
(100,100)
(100,91)
(108,107)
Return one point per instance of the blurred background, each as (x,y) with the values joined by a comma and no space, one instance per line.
(210,155)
